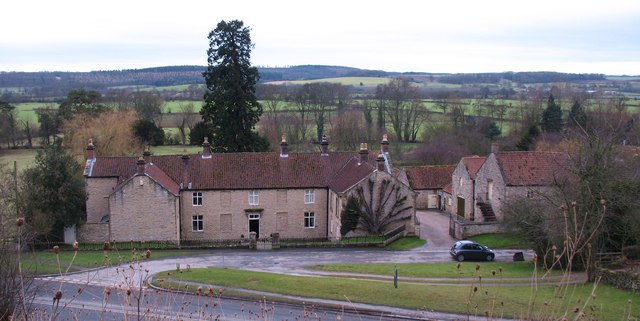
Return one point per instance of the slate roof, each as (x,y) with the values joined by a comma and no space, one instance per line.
(429,177)
(473,164)
(532,168)
(337,170)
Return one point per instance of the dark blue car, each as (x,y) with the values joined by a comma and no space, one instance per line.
(470,250)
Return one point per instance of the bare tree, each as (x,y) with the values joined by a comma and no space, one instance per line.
(398,97)
(188,118)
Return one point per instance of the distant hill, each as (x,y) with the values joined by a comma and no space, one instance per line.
(22,86)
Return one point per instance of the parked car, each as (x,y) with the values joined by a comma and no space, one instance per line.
(470,250)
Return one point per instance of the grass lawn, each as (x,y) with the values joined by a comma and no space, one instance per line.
(23,157)
(406,243)
(440,270)
(46,262)
(502,241)
(543,302)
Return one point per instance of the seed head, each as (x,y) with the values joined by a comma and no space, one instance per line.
(56,249)
(603,202)
(574,203)
(57,296)
(128,291)
(147,254)
(106,246)
(107,291)
(20,221)
(477,267)
(493,272)
(76,246)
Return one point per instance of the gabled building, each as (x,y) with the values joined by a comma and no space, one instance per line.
(429,182)
(463,187)
(229,196)
(509,175)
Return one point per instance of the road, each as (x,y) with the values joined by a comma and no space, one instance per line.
(287,261)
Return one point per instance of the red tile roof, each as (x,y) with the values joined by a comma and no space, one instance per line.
(243,170)
(429,177)
(352,172)
(448,188)
(473,164)
(532,168)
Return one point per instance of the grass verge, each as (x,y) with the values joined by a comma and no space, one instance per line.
(406,243)
(440,270)
(502,241)
(526,302)
(46,262)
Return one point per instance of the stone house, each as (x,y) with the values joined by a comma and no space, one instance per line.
(508,175)
(428,182)
(463,187)
(229,196)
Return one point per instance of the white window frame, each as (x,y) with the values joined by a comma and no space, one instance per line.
(309,219)
(199,220)
(309,196)
(197,199)
(254,197)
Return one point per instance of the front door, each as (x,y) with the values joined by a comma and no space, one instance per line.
(460,211)
(254,224)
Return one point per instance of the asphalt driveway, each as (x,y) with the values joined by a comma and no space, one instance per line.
(434,228)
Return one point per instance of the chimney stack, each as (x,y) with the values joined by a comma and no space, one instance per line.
(494,148)
(185,168)
(284,147)
(384,145)
(140,164)
(146,154)
(91,150)
(364,153)
(380,162)
(206,148)
(324,146)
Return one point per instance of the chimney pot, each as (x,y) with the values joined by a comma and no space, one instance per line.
(141,163)
(384,145)
(146,154)
(284,147)
(324,146)
(91,150)
(206,148)
(364,153)
(380,162)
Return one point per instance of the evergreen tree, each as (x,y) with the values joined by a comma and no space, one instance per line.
(492,131)
(148,133)
(552,117)
(53,192)
(529,138)
(577,115)
(350,216)
(230,103)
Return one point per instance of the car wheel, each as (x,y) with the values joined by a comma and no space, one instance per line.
(460,257)
(489,257)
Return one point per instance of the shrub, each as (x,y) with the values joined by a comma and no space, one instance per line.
(631,252)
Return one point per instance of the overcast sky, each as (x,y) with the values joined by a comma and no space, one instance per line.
(592,36)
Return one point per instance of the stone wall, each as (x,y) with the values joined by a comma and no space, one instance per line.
(490,188)
(462,187)
(143,210)
(93,232)
(98,190)
(625,280)
(225,214)
(466,229)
